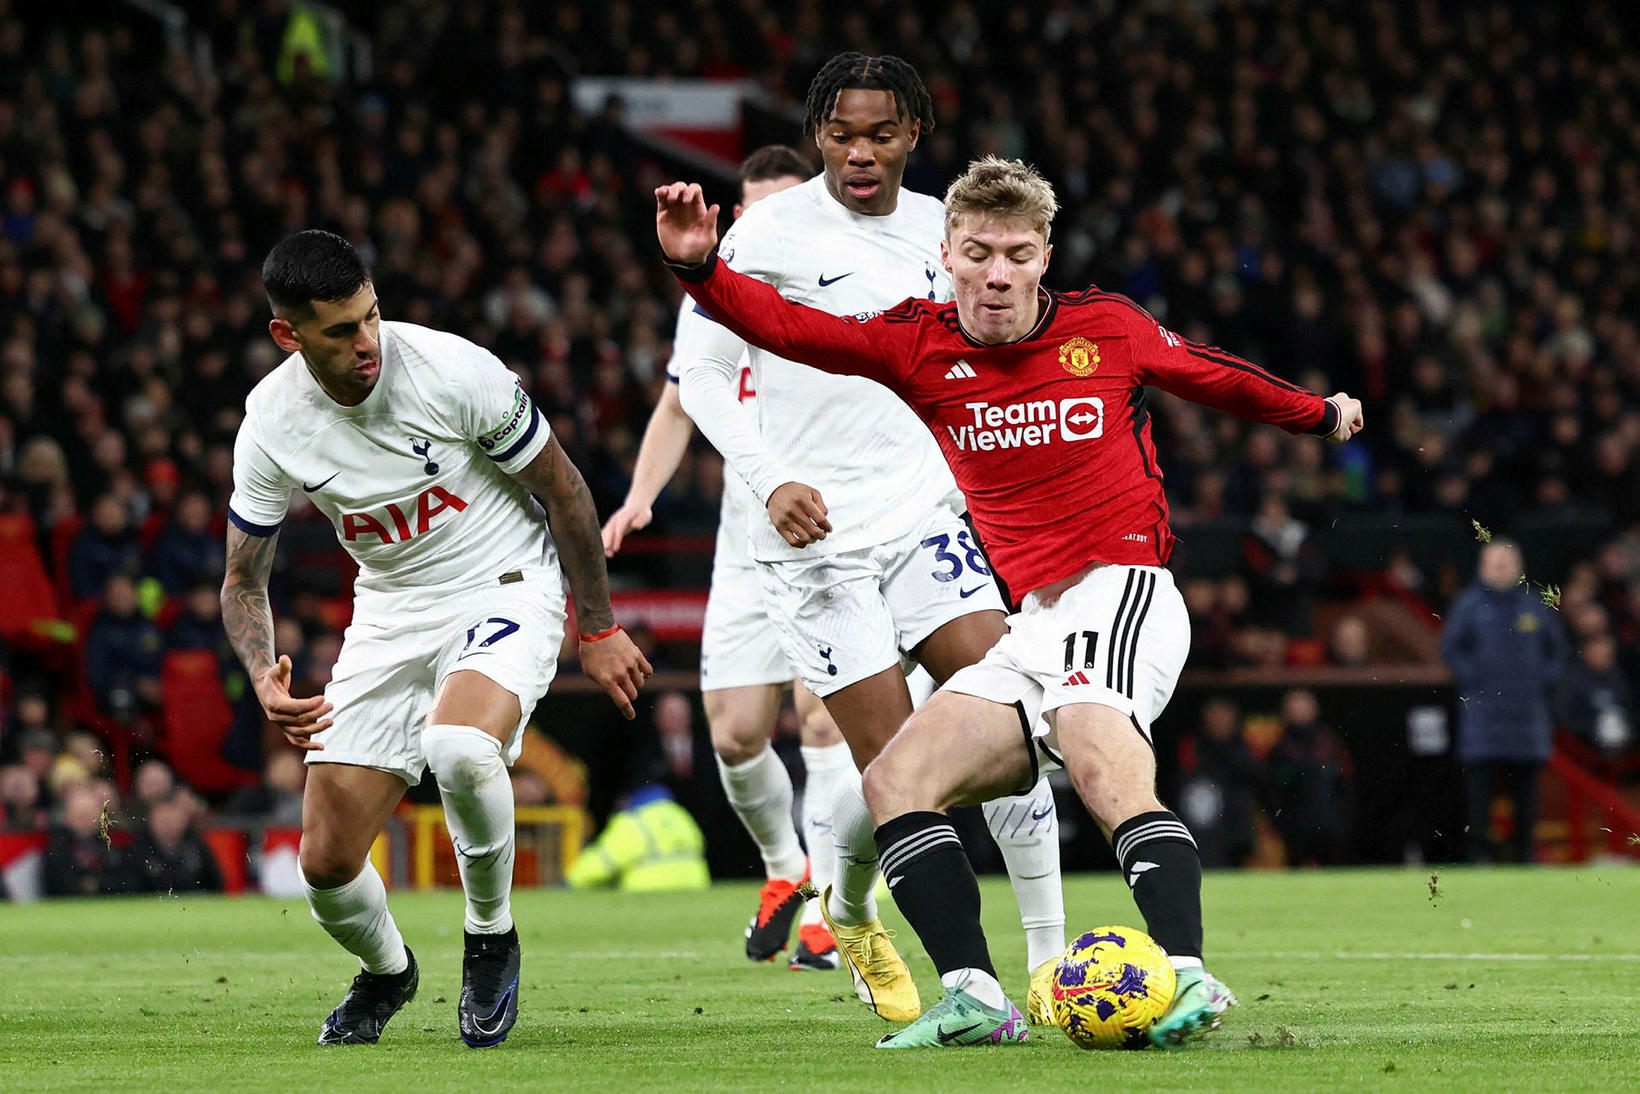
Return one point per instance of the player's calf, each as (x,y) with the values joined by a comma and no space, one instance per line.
(471,771)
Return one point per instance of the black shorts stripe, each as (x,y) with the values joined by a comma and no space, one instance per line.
(1115,639)
(1138,625)
(1030,747)
(1129,633)
(1053,756)
(1127,637)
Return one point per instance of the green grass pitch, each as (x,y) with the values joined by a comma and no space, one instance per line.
(1485,980)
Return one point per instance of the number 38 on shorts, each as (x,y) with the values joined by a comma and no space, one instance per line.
(952,564)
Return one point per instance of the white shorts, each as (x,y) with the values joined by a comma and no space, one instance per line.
(390,669)
(847,616)
(1118,637)
(739,645)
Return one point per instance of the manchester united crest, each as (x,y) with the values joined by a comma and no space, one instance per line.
(1079,356)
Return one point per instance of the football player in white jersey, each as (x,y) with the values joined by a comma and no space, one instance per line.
(424,451)
(898,574)
(743,670)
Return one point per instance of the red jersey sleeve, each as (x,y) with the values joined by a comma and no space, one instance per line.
(848,345)
(1212,377)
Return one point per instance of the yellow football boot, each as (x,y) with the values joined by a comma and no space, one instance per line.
(1039,999)
(881,979)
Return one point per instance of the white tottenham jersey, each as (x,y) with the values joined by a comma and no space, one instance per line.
(873,461)
(415,479)
(739,504)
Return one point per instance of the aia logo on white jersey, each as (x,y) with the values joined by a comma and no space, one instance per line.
(393,524)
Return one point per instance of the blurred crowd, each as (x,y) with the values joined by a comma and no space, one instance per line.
(1430,205)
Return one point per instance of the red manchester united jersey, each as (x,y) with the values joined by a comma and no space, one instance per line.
(1048,436)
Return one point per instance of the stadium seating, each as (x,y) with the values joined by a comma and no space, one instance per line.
(194,722)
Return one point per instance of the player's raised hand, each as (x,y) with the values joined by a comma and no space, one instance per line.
(629,518)
(617,665)
(686,226)
(1350,421)
(799,514)
(298,719)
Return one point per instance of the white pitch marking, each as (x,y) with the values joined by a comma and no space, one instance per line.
(1363,955)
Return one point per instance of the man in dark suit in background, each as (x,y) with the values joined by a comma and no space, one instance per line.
(1505,649)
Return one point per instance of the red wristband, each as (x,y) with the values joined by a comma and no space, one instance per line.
(601,635)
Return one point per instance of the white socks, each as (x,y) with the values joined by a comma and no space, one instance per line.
(978,983)
(823,765)
(356,915)
(853,890)
(478,810)
(761,792)
(1026,828)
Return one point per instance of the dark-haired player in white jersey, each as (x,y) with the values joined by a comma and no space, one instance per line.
(423,451)
(893,575)
(743,669)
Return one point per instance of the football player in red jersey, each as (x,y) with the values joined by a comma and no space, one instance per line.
(1037,400)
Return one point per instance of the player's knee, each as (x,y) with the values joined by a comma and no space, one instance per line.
(462,758)
(328,864)
(1112,802)
(736,736)
(735,751)
(818,730)
(891,788)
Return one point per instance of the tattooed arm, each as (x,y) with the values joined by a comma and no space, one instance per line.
(248,619)
(613,661)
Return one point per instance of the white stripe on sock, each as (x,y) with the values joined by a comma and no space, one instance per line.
(901,856)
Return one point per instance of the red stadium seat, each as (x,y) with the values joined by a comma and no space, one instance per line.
(29,599)
(195,718)
(228,845)
(62,539)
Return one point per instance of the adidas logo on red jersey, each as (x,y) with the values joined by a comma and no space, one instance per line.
(962,370)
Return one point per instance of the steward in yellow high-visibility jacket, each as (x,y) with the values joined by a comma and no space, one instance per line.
(653,844)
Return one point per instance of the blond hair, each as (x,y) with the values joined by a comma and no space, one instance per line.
(995,187)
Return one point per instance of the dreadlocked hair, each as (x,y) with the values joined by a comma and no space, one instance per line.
(856,71)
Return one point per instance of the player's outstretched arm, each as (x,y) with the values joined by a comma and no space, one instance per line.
(248,619)
(1210,376)
(608,656)
(665,439)
(755,311)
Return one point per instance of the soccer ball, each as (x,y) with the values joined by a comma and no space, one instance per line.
(1110,987)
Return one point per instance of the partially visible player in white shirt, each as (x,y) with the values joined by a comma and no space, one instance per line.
(424,452)
(899,579)
(743,669)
